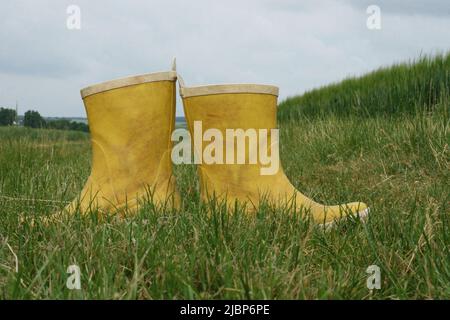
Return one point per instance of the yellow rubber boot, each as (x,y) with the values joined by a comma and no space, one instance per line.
(245,106)
(130,122)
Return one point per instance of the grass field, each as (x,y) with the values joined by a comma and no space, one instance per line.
(398,162)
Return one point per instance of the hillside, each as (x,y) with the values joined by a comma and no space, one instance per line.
(406,88)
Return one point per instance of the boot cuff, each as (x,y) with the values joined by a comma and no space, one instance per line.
(228,88)
(128,81)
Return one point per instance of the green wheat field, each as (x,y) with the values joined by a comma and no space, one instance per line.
(382,138)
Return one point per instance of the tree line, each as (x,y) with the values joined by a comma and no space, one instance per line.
(7,117)
(33,119)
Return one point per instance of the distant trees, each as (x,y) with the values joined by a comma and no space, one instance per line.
(64,124)
(7,117)
(33,119)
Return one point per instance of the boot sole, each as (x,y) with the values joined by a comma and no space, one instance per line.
(362,216)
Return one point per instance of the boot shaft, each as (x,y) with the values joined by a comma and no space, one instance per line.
(131,121)
(243,118)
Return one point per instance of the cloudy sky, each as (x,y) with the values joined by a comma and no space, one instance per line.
(296,45)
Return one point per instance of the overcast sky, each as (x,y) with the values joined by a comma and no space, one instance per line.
(296,45)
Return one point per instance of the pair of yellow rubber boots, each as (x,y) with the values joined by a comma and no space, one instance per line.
(131,121)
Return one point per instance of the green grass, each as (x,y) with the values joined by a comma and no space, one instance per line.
(398,165)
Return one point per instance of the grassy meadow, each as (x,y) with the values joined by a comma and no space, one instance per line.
(382,139)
